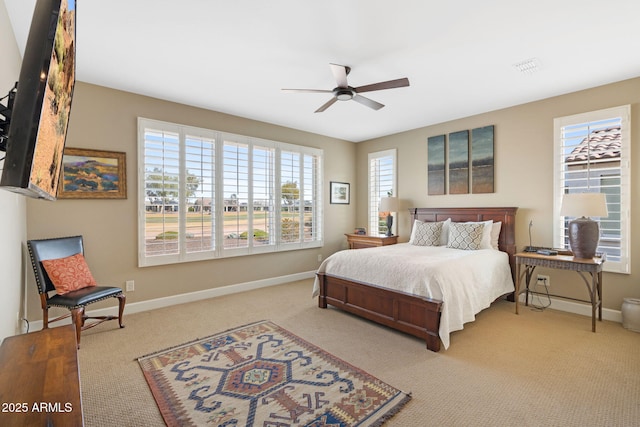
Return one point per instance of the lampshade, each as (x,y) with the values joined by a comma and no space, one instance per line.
(584,204)
(583,232)
(388,204)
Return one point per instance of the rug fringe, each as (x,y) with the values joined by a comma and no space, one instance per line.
(196,340)
(391,412)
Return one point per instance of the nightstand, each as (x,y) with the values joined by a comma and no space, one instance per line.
(526,262)
(359,241)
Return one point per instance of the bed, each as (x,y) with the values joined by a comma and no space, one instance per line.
(405,311)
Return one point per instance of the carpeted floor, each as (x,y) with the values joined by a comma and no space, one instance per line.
(535,369)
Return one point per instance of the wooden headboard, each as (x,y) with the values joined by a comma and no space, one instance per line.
(507,239)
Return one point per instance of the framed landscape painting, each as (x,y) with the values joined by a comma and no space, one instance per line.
(93,174)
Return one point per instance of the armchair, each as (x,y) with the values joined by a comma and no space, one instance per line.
(73,300)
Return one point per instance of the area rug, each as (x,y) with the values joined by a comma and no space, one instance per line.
(263,375)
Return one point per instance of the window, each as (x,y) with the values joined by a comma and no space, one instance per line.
(592,155)
(206,194)
(382,182)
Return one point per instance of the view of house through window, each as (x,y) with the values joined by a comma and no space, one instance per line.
(592,156)
(208,194)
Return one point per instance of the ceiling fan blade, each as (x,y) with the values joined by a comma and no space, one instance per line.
(307,90)
(367,102)
(326,105)
(340,74)
(383,85)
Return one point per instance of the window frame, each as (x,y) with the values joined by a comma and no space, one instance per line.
(623,113)
(312,191)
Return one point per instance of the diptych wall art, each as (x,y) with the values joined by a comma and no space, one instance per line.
(461,162)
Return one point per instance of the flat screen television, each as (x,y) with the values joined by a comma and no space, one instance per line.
(39,116)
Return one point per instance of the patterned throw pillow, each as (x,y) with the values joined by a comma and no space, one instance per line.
(426,233)
(69,274)
(467,236)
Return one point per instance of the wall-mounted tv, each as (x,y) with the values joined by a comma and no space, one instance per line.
(39,116)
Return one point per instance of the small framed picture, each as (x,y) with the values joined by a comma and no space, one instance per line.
(360,231)
(339,193)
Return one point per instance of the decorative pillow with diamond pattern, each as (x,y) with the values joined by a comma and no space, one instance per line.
(426,233)
(467,236)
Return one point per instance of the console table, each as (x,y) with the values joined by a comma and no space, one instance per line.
(40,381)
(526,263)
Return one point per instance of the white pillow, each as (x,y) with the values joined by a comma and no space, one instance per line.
(495,234)
(444,235)
(426,233)
(465,235)
(413,231)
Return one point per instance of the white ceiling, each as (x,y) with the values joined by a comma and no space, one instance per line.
(236,56)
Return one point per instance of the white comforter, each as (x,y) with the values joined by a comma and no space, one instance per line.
(466,281)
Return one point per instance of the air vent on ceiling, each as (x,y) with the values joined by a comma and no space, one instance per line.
(528,66)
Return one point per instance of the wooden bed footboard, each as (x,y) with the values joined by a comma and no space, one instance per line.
(415,315)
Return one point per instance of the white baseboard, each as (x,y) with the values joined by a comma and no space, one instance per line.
(137,307)
(583,309)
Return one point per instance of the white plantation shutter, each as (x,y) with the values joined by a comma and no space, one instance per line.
(200,156)
(382,181)
(310,195)
(592,156)
(263,195)
(202,200)
(236,194)
(161,176)
(290,179)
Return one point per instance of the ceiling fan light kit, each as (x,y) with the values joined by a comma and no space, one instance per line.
(344,92)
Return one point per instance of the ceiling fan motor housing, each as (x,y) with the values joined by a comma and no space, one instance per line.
(344,94)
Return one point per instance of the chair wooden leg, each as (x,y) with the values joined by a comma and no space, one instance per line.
(77,316)
(122,299)
(45,318)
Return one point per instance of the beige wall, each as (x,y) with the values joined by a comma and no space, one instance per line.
(13,207)
(106,119)
(523,175)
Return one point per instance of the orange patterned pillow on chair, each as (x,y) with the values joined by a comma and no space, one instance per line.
(69,274)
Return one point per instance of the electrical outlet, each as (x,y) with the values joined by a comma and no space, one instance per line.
(130,286)
(543,280)
(319,257)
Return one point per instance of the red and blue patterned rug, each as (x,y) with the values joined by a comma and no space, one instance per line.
(263,375)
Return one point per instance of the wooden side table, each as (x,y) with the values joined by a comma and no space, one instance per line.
(526,263)
(40,381)
(359,241)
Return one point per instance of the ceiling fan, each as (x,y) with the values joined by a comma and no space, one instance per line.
(344,92)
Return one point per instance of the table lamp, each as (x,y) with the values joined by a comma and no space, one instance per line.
(584,232)
(389,204)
